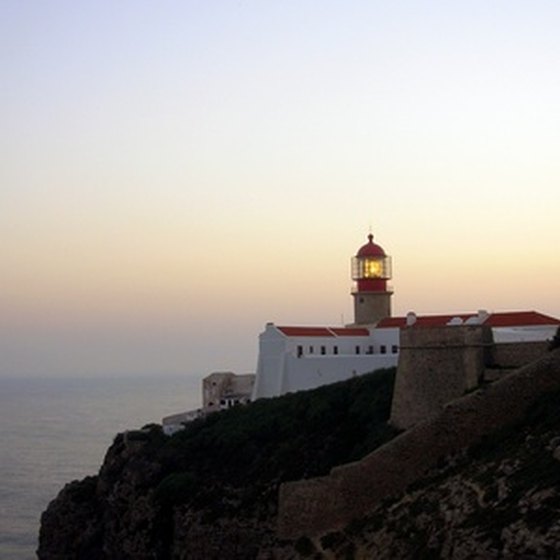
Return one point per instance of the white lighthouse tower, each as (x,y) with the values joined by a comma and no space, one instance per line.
(371,271)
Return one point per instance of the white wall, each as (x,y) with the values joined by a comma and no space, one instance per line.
(270,363)
(524,334)
(311,372)
(281,370)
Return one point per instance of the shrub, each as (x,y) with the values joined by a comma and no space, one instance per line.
(304,547)
(176,488)
(291,437)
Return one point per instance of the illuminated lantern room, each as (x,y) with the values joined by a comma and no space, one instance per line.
(371,270)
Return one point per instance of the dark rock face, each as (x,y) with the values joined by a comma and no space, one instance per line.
(115,516)
(107,516)
(71,525)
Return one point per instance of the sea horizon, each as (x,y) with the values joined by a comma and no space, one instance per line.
(56,429)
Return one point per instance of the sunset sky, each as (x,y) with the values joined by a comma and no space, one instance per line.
(175,174)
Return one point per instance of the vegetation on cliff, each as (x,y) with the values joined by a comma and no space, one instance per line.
(296,436)
(153,491)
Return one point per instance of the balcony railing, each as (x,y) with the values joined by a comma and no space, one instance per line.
(388,290)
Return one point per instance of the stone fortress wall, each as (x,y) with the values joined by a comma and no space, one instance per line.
(453,421)
(514,355)
(437,365)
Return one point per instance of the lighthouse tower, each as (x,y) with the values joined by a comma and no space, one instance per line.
(371,269)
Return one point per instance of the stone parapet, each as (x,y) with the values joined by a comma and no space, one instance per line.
(517,354)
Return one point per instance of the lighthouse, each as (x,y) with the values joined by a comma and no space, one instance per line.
(371,270)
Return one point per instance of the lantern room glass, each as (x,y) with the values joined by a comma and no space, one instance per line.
(371,268)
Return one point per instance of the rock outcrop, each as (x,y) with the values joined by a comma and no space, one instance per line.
(117,515)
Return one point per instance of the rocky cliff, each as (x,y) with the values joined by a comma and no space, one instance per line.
(118,514)
(156,497)
(211,491)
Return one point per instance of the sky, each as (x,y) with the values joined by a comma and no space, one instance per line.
(175,174)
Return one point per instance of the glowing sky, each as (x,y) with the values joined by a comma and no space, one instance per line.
(175,174)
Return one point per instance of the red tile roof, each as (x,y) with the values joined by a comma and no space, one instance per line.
(323,331)
(350,331)
(305,331)
(505,319)
(521,318)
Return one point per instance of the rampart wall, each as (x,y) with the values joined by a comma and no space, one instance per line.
(316,506)
(516,354)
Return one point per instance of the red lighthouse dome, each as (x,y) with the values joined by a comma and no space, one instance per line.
(371,269)
(371,249)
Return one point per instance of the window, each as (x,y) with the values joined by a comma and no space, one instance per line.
(383,349)
(299,351)
(323,350)
(335,349)
(311,349)
(357,349)
(395,349)
(370,349)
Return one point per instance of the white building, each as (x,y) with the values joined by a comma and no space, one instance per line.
(223,390)
(293,358)
(297,358)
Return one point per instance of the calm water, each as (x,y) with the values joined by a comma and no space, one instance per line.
(54,431)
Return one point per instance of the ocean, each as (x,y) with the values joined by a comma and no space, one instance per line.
(56,430)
